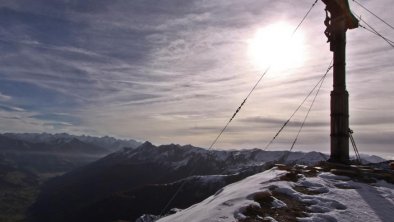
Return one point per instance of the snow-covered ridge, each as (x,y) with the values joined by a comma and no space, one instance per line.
(321,197)
(226,203)
(234,160)
(218,161)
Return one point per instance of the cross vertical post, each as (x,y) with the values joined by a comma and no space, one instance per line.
(338,20)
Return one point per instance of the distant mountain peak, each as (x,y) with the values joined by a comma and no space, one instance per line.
(142,180)
(147,144)
(105,142)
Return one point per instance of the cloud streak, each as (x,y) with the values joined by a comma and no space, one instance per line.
(175,71)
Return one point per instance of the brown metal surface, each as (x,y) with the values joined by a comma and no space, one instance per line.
(337,24)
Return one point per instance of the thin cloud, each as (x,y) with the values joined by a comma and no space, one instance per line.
(175,71)
(4,97)
(11,108)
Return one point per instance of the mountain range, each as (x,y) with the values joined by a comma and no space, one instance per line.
(106,142)
(135,181)
(28,160)
(43,153)
(84,178)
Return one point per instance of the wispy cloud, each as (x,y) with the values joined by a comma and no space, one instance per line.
(175,71)
(4,97)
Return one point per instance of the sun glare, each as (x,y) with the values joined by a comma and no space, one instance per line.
(276,45)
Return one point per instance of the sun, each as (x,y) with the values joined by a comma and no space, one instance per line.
(276,46)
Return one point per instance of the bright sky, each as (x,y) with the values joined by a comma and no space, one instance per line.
(174,71)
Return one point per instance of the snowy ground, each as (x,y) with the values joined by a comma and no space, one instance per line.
(324,196)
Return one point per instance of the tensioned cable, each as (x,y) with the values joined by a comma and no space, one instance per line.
(216,139)
(372,30)
(309,110)
(302,20)
(377,33)
(390,42)
(354,146)
(235,113)
(302,103)
(374,14)
(239,108)
(259,80)
(307,114)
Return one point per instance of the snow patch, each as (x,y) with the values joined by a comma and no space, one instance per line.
(328,197)
(227,205)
